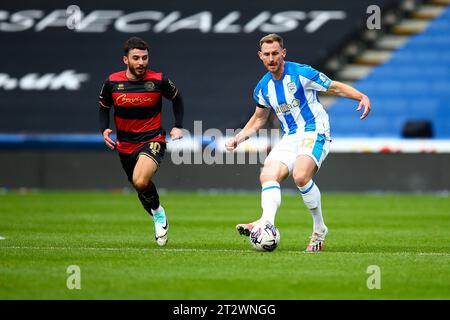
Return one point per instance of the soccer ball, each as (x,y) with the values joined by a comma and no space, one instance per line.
(265,237)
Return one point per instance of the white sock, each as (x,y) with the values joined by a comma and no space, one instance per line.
(160,209)
(311,196)
(270,200)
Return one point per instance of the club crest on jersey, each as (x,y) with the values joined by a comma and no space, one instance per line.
(149,86)
(292,88)
(120,86)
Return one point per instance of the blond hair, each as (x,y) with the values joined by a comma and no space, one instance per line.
(273,37)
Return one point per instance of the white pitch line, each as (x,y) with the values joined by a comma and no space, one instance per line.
(2,238)
(445,254)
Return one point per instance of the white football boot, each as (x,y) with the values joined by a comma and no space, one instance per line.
(317,241)
(245,228)
(161,226)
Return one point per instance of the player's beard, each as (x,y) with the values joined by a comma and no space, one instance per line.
(278,65)
(270,65)
(137,72)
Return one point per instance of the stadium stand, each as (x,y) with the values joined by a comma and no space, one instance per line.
(410,92)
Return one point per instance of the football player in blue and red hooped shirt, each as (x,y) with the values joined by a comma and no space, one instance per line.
(136,96)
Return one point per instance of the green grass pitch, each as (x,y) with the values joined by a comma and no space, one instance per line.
(110,237)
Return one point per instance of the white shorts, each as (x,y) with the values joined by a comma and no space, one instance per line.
(314,144)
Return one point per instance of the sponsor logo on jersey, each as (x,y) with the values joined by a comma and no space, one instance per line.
(171,84)
(323,77)
(123,100)
(287,107)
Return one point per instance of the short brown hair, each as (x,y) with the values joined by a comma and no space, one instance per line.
(273,37)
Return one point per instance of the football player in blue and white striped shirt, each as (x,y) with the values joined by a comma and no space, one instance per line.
(291,90)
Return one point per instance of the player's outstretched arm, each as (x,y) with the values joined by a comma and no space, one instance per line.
(256,122)
(344,90)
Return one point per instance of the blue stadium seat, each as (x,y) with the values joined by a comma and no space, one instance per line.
(413,85)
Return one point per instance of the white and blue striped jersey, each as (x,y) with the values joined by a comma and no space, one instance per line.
(294,98)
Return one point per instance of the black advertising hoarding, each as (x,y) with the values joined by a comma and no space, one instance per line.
(50,75)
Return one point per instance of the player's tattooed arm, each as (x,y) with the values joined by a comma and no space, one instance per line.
(344,90)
